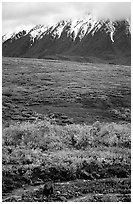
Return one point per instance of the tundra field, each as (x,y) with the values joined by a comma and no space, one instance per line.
(68,123)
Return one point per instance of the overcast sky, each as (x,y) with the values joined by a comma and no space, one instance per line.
(24,15)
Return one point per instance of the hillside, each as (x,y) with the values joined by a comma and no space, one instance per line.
(87,39)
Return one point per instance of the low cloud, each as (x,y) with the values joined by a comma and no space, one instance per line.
(29,14)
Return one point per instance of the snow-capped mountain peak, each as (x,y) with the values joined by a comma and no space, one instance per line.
(73,28)
(87,37)
(77,28)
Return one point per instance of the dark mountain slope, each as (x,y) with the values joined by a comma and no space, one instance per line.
(106,40)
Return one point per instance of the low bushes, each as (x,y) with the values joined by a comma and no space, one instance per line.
(35,152)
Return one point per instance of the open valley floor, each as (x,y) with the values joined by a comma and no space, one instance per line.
(65,123)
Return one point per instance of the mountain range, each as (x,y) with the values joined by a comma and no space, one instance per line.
(86,39)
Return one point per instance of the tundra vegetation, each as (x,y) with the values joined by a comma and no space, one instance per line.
(86,154)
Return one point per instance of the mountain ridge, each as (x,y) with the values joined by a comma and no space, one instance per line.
(89,37)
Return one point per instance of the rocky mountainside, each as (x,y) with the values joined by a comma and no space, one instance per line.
(86,39)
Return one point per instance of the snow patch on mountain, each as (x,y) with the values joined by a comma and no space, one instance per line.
(19,35)
(75,27)
(128,26)
(8,36)
(57,30)
(37,32)
(14,36)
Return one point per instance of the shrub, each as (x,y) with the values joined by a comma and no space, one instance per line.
(44,150)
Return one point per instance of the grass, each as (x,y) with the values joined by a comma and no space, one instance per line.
(83,91)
